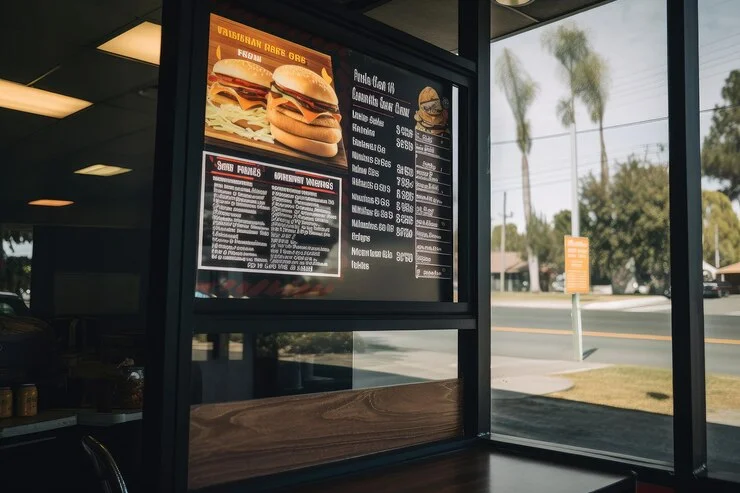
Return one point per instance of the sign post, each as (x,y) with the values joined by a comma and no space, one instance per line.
(577,277)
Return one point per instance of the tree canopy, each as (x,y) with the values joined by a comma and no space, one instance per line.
(717,210)
(520,91)
(721,150)
(12,269)
(570,46)
(515,242)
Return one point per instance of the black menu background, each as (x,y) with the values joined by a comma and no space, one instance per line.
(396,224)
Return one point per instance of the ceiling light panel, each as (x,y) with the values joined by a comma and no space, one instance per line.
(102,170)
(51,203)
(514,3)
(142,42)
(37,101)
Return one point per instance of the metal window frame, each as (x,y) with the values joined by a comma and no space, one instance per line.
(176,315)
(173,308)
(687,303)
(688,472)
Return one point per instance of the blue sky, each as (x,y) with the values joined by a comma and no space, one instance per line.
(631,36)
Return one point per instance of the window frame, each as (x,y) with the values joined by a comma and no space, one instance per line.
(174,313)
(689,465)
(177,314)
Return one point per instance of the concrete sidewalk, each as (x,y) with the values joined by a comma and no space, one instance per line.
(522,376)
(622,304)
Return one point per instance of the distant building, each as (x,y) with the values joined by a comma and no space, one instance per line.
(731,274)
(516,271)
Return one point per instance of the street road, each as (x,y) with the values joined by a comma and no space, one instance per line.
(610,337)
(614,337)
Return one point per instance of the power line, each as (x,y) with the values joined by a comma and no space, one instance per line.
(590,130)
(612,127)
(563,178)
(584,159)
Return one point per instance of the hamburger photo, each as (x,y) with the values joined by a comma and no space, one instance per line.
(303,111)
(237,98)
(431,116)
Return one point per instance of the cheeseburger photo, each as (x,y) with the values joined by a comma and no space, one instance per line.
(431,116)
(303,111)
(237,97)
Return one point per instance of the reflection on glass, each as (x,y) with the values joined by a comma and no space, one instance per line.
(579,148)
(236,366)
(719,111)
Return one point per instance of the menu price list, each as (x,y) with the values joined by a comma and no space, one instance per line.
(265,218)
(433,205)
(401,180)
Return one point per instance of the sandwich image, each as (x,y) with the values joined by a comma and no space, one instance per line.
(303,111)
(431,116)
(237,99)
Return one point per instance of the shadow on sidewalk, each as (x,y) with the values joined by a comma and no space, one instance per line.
(609,429)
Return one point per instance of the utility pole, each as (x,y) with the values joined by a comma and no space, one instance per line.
(575,230)
(716,246)
(505,215)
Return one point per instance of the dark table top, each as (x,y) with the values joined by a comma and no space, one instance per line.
(475,470)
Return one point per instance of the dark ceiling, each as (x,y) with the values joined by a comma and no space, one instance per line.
(53,45)
(435,21)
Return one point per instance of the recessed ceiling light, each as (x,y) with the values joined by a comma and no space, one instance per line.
(102,170)
(31,100)
(142,42)
(514,3)
(51,203)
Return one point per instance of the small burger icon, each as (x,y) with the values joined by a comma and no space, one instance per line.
(431,116)
(237,96)
(303,111)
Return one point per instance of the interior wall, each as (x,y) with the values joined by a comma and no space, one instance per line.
(108,267)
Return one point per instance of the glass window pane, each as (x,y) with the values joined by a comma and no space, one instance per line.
(256,397)
(580,148)
(719,72)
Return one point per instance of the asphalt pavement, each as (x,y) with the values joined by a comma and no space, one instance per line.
(611,337)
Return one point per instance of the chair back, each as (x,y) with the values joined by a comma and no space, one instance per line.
(110,477)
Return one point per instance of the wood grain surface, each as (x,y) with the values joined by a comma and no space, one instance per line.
(238,440)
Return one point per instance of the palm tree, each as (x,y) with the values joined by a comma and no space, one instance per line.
(520,91)
(570,46)
(592,76)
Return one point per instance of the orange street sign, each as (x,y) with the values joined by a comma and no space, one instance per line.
(577,273)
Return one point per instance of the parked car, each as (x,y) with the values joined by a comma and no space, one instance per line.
(712,289)
(716,289)
(12,305)
(558,285)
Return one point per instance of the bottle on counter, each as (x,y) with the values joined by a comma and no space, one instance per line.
(6,402)
(27,400)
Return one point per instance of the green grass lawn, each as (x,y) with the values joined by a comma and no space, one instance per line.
(645,389)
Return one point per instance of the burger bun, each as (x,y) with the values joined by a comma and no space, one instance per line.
(304,81)
(243,69)
(303,144)
(290,122)
(429,101)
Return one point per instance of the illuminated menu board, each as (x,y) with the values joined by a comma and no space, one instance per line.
(326,173)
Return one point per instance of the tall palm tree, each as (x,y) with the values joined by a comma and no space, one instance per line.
(520,91)
(592,75)
(570,46)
